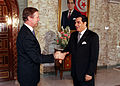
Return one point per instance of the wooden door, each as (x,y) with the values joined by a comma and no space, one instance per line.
(4,43)
(8,34)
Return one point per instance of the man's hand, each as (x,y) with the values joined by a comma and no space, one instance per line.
(57,54)
(65,53)
(88,77)
(60,56)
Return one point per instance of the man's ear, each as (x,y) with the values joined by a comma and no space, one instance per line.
(29,18)
(85,23)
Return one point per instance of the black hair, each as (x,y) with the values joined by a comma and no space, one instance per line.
(73,1)
(28,11)
(84,18)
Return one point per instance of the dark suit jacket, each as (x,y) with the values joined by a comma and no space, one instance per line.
(69,22)
(84,54)
(29,57)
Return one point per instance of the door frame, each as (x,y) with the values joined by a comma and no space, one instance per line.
(13,13)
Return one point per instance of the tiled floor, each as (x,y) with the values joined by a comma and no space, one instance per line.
(104,77)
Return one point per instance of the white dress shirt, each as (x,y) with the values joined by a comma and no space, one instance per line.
(31,29)
(82,32)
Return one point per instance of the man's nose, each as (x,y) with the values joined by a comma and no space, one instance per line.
(75,24)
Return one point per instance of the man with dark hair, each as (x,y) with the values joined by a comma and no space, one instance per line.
(68,16)
(84,48)
(29,52)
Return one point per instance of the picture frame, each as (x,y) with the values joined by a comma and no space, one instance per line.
(62,6)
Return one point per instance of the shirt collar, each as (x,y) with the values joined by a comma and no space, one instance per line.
(70,11)
(83,31)
(31,29)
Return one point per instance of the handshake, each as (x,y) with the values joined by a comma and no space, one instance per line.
(60,56)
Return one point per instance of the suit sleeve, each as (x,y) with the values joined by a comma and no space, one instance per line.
(32,49)
(94,51)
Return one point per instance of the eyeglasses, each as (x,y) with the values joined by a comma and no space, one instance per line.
(70,3)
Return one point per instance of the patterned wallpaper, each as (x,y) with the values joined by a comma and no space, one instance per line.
(102,14)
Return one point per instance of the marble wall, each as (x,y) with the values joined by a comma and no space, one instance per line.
(22,4)
(105,14)
(102,14)
(47,27)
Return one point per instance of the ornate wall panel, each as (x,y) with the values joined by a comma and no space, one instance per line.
(8,33)
(15,29)
(4,43)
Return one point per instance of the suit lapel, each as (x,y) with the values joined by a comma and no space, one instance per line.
(73,13)
(29,31)
(66,13)
(76,38)
(71,17)
(85,35)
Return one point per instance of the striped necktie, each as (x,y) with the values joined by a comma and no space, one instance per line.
(78,37)
(69,14)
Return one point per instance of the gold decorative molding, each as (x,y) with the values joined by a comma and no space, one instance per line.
(4,74)
(59,13)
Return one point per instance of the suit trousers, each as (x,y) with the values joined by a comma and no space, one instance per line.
(28,84)
(82,83)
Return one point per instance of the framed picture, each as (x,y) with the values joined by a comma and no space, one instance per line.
(81,6)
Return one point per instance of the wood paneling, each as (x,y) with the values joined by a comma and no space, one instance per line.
(8,34)
(4,49)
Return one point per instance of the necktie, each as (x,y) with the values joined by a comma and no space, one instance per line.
(33,32)
(69,14)
(78,37)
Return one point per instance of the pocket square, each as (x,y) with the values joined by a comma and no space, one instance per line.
(74,18)
(84,42)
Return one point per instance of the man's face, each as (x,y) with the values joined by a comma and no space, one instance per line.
(35,19)
(80,26)
(70,4)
